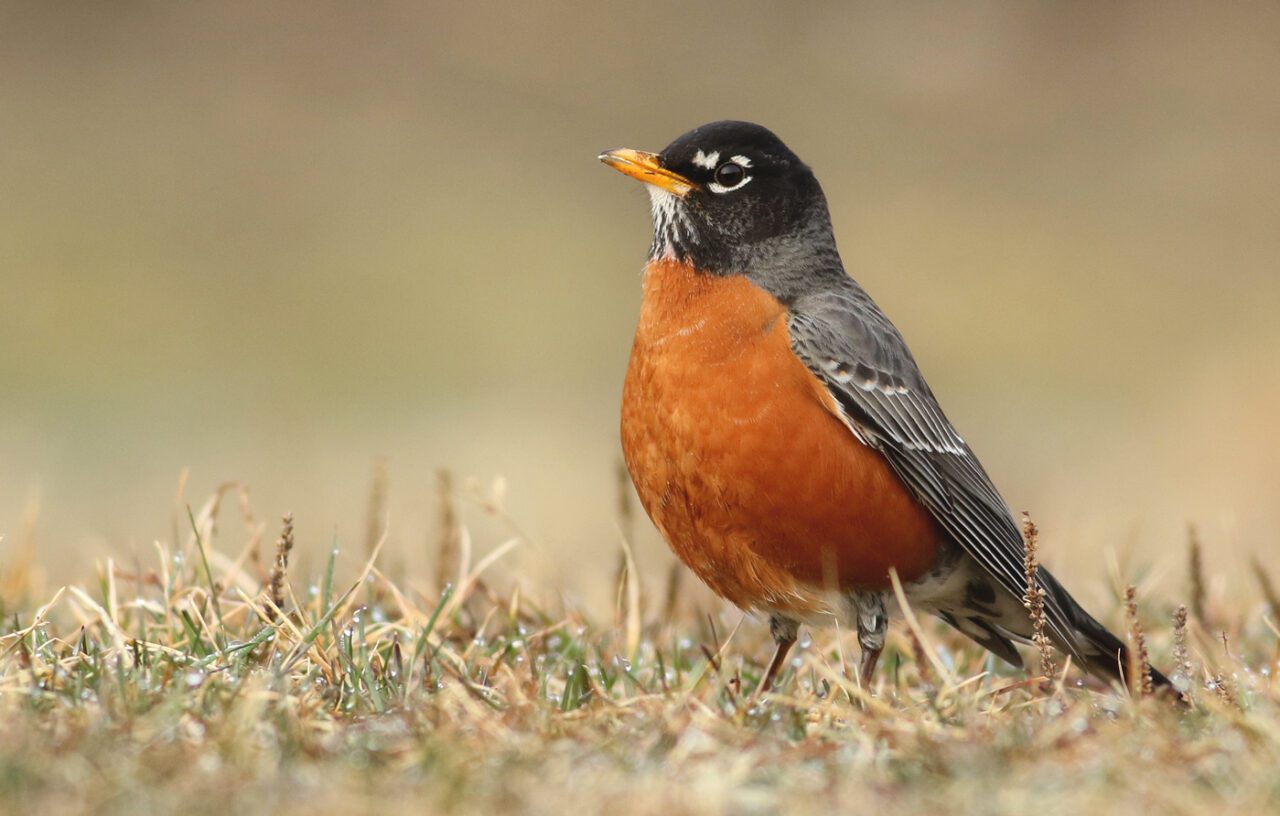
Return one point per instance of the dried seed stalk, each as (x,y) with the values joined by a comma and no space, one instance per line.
(280,571)
(1195,568)
(1140,682)
(1181,656)
(1033,600)
(1268,589)
(449,545)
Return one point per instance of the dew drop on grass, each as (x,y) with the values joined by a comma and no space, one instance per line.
(806,640)
(194,678)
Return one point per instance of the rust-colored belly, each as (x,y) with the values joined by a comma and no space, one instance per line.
(741,461)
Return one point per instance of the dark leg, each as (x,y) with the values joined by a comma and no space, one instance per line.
(784,632)
(873,622)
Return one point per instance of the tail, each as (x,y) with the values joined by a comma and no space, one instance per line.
(994,618)
(1102,653)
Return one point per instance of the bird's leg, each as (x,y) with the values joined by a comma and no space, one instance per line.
(873,622)
(784,632)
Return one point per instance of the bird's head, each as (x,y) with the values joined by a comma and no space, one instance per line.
(727,197)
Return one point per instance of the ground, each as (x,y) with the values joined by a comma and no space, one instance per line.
(215,680)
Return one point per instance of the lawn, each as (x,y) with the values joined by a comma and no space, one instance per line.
(216,679)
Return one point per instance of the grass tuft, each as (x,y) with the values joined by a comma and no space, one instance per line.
(177,686)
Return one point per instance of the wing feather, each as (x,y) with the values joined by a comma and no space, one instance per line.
(848,343)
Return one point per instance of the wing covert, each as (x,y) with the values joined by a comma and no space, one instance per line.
(848,343)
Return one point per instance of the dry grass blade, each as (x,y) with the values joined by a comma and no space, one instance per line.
(630,591)
(918,631)
(37,620)
(626,511)
(468,582)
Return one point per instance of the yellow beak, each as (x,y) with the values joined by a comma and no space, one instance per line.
(645,167)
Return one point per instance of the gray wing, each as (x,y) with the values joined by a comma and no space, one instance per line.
(848,343)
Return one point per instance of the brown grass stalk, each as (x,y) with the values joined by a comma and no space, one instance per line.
(449,536)
(1268,588)
(1139,668)
(1181,656)
(280,571)
(1195,569)
(922,659)
(1033,599)
(671,593)
(623,572)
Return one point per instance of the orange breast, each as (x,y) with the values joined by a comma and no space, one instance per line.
(740,459)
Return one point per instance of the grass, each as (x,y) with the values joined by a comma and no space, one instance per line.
(214,681)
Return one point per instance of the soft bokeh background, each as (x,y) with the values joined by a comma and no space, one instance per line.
(273,242)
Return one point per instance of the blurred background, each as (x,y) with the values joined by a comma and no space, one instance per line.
(275,242)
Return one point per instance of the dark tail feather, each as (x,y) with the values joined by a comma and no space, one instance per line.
(1103,653)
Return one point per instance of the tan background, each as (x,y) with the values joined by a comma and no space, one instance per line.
(270,242)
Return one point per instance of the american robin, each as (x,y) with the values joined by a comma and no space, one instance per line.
(780,435)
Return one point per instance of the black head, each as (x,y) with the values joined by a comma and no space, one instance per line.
(728,197)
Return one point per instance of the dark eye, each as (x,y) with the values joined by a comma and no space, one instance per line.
(730,174)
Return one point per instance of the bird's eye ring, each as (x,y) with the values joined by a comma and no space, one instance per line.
(729,175)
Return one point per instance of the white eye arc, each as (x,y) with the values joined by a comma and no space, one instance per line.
(706,160)
(715,185)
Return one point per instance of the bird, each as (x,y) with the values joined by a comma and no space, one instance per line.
(783,440)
